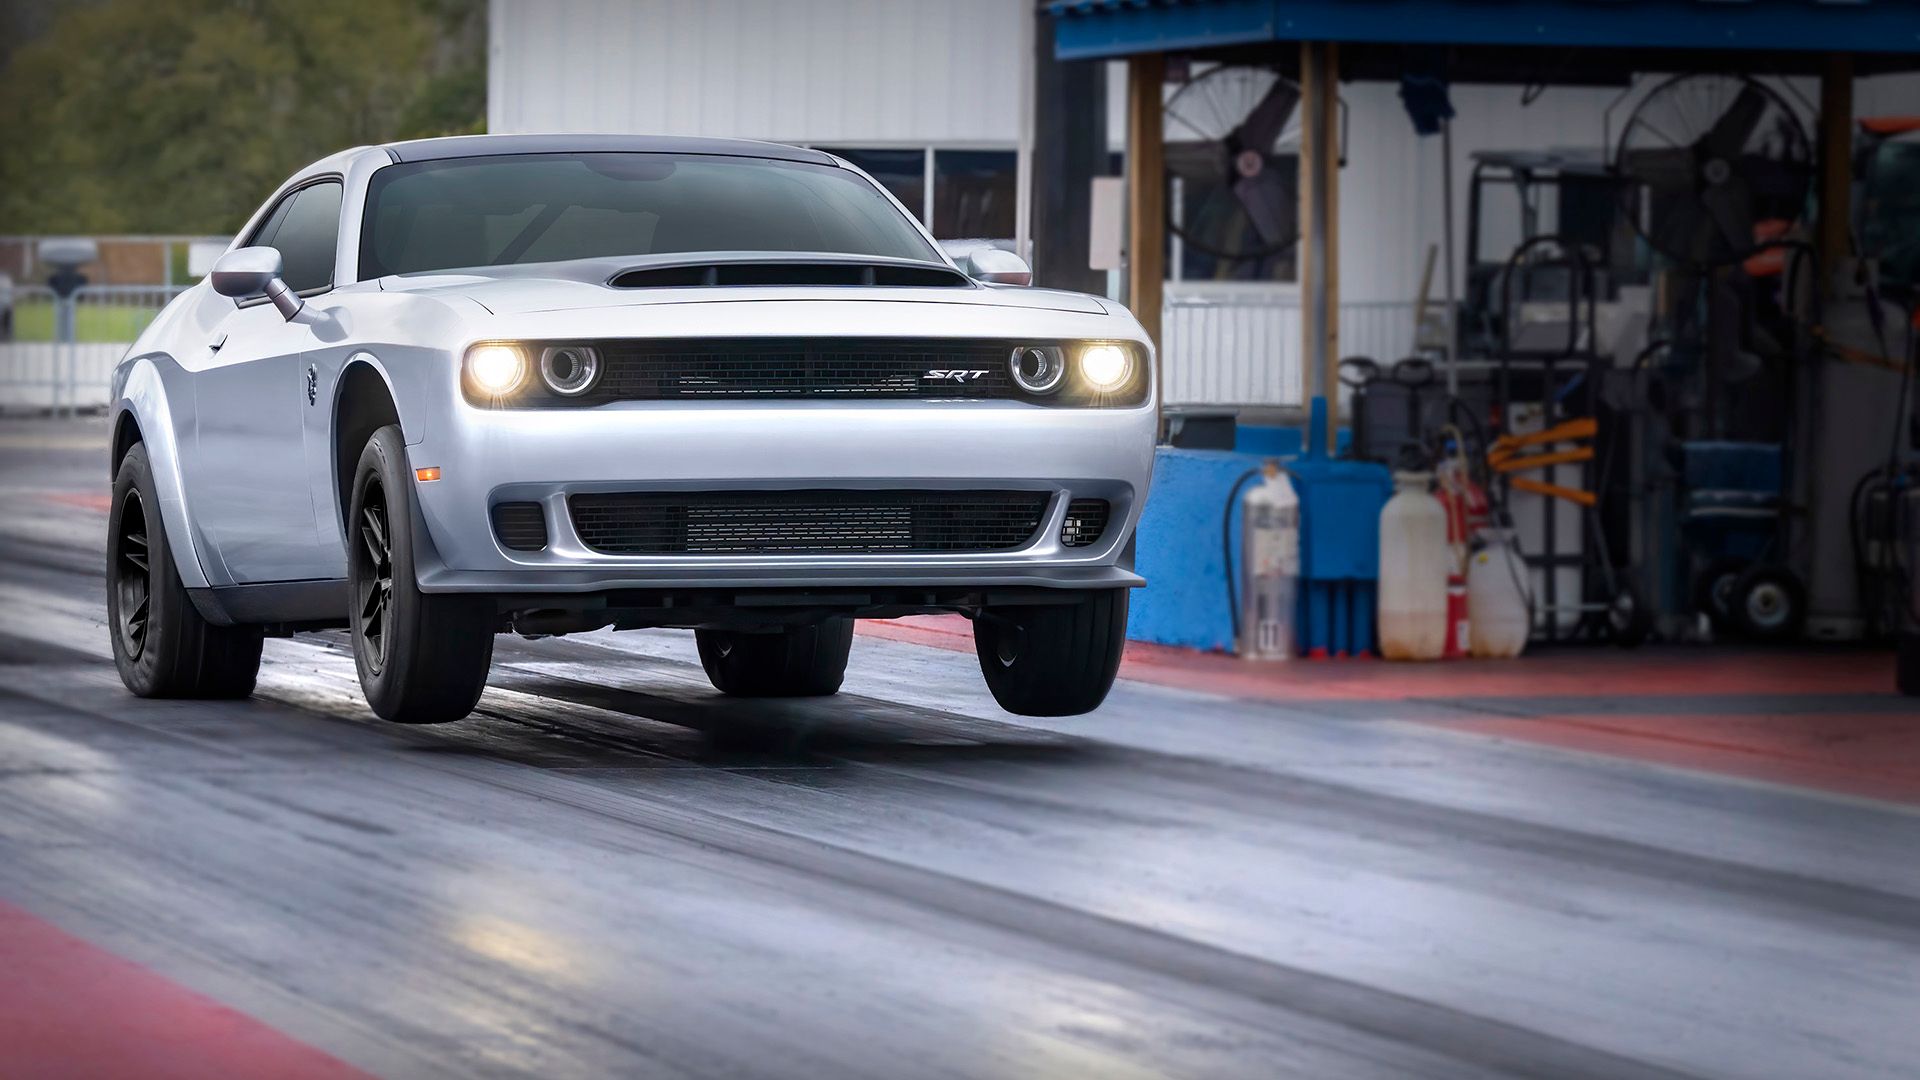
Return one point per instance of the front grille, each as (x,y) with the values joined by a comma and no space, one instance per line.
(521,526)
(800,522)
(1086,520)
(774,369)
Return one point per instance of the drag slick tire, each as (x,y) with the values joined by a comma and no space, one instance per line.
(422,657)
(1052,659)
(801,661)
(161,644)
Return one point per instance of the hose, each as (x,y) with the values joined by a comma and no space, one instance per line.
(1867,590)
(1226,547)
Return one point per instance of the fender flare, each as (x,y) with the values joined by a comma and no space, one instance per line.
(413,430)
(141,390)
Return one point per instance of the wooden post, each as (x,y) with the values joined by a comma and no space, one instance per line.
(1146,193)
(1319,248)
(1836,163)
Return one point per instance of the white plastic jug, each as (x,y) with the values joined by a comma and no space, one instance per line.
(1496,602)
(1414,562)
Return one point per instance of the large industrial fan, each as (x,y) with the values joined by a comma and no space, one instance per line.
(1717,164)
(1232,159)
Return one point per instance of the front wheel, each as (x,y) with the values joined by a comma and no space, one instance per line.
(1052,659)
(422,657)
(800,661)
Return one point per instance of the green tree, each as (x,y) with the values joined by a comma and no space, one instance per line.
(182,115)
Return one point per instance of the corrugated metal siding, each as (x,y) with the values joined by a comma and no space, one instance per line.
(1245,349)
(856,72)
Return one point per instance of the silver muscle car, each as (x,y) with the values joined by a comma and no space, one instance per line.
(444,389)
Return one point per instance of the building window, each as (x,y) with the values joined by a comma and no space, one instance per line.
(902,172)
(973,194)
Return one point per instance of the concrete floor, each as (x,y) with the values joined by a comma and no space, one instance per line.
(1587,864)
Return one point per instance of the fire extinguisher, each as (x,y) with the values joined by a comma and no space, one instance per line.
(1270,547)
(1467,513)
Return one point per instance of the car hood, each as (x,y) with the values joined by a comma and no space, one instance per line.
(582,284)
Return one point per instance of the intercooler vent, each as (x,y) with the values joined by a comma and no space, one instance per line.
(1086,520)
(521,526)
(788,273)
(803,522)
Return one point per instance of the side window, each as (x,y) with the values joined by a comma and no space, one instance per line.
(263,236)
(307,236)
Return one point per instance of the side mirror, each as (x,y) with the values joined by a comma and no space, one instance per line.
(999,267)
(247,272)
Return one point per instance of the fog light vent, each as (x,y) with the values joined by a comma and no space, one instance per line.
(1086,520)
(521,526)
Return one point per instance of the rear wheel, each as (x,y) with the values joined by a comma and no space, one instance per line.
(1052,659)
(161,644)
(801,661)
(422,657)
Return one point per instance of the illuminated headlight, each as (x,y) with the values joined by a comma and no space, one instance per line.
(1105,367)
(496,370)
(570,370)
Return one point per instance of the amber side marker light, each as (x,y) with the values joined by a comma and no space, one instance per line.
(432,472)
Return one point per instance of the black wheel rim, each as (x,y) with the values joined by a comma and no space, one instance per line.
(373,576)
(133,576)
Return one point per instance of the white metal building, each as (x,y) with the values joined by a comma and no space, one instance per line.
(934,98)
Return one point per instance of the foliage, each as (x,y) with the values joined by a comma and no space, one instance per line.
(180,116)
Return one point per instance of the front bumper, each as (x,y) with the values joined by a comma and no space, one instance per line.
(488,456)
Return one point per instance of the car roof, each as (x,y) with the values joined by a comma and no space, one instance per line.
(459,146)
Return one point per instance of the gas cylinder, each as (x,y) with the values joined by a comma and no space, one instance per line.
(1270,548)
(1413,571)
(1466,507)
(1496,601)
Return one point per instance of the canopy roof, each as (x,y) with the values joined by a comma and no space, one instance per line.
(1885,32)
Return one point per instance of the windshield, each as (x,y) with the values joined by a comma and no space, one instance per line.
(522,208)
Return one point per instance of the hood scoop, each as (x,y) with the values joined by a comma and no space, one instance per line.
(776,273)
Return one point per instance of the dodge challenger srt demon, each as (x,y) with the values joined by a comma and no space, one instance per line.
(444,389)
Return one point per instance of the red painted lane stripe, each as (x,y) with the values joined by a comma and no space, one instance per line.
(1584,672)
(99,503)
(1871,755)
(68,1009)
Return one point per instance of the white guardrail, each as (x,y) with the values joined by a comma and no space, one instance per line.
(1219,349)
(39,372)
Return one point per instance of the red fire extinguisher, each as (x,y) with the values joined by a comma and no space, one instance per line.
(1466,505)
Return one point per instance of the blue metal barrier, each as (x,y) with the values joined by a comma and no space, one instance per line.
(1178,546)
